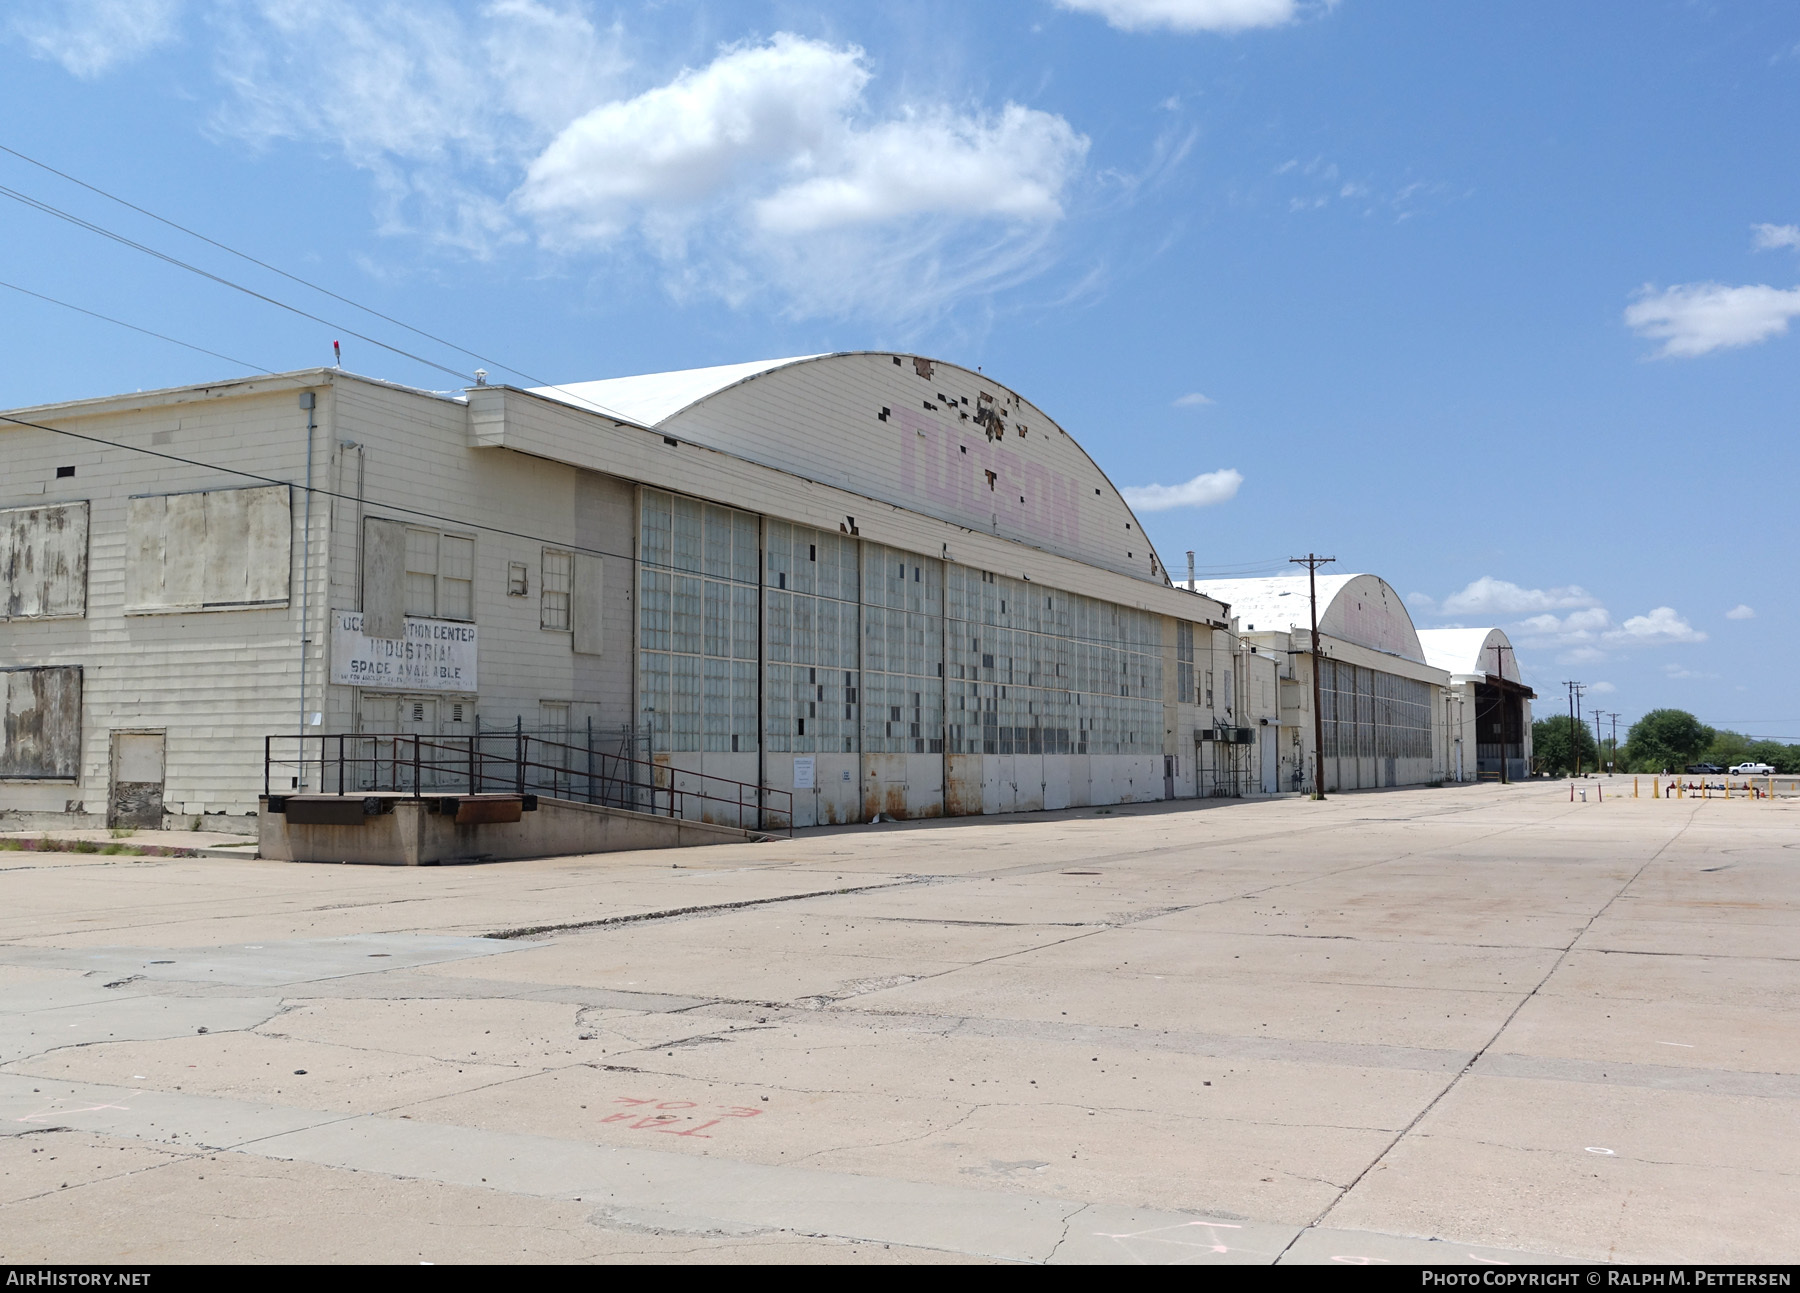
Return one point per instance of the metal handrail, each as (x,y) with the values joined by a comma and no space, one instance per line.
(463,765)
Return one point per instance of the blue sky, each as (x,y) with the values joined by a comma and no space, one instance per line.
(1491,301)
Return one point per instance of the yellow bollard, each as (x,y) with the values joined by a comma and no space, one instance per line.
(1728,789)
(1634,782)
(1656,788)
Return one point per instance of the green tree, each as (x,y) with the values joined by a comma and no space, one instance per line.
(1555,753)
(1727,748)
(1782,758)
(1666,739)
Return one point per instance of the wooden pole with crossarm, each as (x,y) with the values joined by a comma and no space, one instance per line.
(1312,562)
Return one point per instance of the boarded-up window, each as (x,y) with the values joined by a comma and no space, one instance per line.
(43,562)
(585,615)
(40,722)
(216,550)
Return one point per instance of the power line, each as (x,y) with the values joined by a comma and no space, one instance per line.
(121,239)
(92,314)
(274,269)
(263,264)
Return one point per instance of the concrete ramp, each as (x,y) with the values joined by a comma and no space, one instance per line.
(395,830)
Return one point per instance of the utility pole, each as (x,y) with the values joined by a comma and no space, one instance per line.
(1576,726)
(1505,706)
(1615,739)
(1312,562)
(1573,745)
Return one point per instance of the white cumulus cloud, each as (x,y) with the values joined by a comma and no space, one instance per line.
(1740,612)
(779,132)
(1490,596)
(1202,491)
(1660,626)
(1693,319)
(766,171)
(1767,237)
(1192,400)
(1578,628)
(90,37)
(1187,15)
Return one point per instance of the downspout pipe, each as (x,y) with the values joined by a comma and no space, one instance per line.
(308,401)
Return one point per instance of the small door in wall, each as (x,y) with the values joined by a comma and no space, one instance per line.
(136,797)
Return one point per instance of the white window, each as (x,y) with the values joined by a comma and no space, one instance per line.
(456,578)
(557,583)
(421,572)
(440,575)
(518,579)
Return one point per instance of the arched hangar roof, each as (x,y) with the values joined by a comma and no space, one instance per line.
(1470,651)
(903,430)
(1362,609)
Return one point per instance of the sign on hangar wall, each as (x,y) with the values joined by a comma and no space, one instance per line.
(435,655)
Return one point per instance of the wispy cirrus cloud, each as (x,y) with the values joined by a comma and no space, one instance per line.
(1768,237)
(91,37)
(1192,400)
(1204,490)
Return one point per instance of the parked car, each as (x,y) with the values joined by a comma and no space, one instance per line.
(1752,770)
(1704,768)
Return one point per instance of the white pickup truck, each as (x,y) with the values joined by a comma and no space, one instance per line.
(1751,770)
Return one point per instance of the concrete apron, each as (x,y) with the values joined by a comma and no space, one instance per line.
(410,835)
(684,1193)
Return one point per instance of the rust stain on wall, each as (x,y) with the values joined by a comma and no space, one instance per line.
(962,785)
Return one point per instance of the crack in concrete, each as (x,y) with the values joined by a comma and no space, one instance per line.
(671,913)
(1063,1238)
(1507,1022)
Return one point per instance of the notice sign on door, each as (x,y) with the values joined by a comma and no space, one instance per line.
(803,772)
(435,655)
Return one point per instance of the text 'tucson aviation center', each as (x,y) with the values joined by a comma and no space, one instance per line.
(885,583)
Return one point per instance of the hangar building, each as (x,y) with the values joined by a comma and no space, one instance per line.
(1491,708)
(882,582)
(1382,701)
